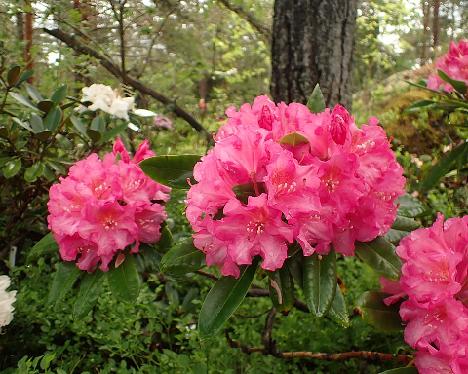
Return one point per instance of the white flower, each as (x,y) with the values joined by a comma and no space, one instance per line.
(104,98)
(120,106)
(7,298)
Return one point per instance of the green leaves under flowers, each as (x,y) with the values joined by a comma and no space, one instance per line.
(60,94)
(243,191)
(223,300)
(170,170)
(13,75)
(405,224)
(44,246)
(408,206)
(457,156)
(316,102)
(282,289)
(66,275)
(182,258)
(379,315)
(11,168)
(459,86)
(294,139)
(418,105)
(338,311)
(319,282)
(402,370)
(380,255)
(124,281)
(90,288)
(33,172)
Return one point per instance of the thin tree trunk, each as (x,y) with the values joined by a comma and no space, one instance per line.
(426,10)
(313,42)
(435,26)
(28,37)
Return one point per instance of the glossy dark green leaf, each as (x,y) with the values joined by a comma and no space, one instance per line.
(405,224)
(182,258)
(380,255)
(59,94)
(171,170)
(124,281)
(36,123)
(243,191)
(93,135)
(394,236)
(24,125)
(45,105)
(418,105)
(33,172)
(44,246)
(338,311)
(166,241)
(22,100)
(43,135)
(25,75)
(112,133)
(402,370)
(281,288)
(90,290)
(11,168)
(379,315)
(13,75)
(294,139)
(53,119)
(34,93)
(78,125)
(223,300)
(66,275)
(446,163)
(316,102)
(409,206)
(319,282)
(459,86)
(98,124)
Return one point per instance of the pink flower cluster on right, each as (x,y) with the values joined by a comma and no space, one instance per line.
(435,280)
(454,64)
(279,174)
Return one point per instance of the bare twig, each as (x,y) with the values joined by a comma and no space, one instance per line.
(267,338)
(76,45)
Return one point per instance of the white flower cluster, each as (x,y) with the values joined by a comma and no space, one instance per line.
(7,298)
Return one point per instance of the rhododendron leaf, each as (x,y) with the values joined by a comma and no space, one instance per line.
(33,172)
(59,94)
(166,240)
(319,283)
(98,124)
(11,168)
(379,315)
(418,105)
(13,75)
(459,86)
(93,135)
(33,93)
(25,75)
(394,236)
(243,191)
(90,289)
(447,163)
(223,299)
(23,100)
(402,370)
(78,125)
(44,246)
(45,105)
(281,288)
(66,275)
(171,170)
(124,281)
(53,118)
(338,311)
(295,267)
(36,123)
(409,206)
(405,224)
(316,102)
(112,133)
(380,255)
(182,258)
(294,139)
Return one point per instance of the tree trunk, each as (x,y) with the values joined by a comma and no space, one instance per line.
(28,37)
(435,27)
(313,42)
(426,10)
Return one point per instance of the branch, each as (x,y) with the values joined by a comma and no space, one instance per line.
(263,30)
(362,355)
(72,42)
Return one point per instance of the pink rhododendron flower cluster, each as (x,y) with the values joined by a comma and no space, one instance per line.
(103,206)
(434,279)
(454,64)
(316,179)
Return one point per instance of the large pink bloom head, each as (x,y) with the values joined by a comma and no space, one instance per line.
(104,206)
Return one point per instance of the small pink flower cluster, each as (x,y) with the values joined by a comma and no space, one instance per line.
(454,64)
(435,280)
(315,179)
(103,206)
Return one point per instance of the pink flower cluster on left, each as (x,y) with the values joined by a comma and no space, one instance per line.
(103,206)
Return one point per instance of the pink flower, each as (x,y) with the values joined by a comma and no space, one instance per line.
(317,177)
(103,207)
(454,64)
(434,281)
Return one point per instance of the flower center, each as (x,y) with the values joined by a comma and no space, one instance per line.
(109,223)
(255,227)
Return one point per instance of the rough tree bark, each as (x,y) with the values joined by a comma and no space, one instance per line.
(28,36)
(435,27)
(313,42)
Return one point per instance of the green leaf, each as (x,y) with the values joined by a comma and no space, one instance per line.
(59,94)
(46,360)
(22,100)
(182,258)
(112,133)
(166,241)
(53,119)
(447,163)
(36,123)
(93,135)
(394,236)
(90,289)
(405,224)
(459,86)
(319,282)
(294,139)
(45,105)
(223,300)
(170,170)
(338,311)
(33,172)
(78,125)
(402,370)
(11,168)
(243,191)
(316,102)
(124,281)
(282,289)
(25,76)
(44,246)
(22,124)
(379,315)
(98,124)
(418,105)
(380,255)
(13,75)
(66,275)
(33,93)
(409,206)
